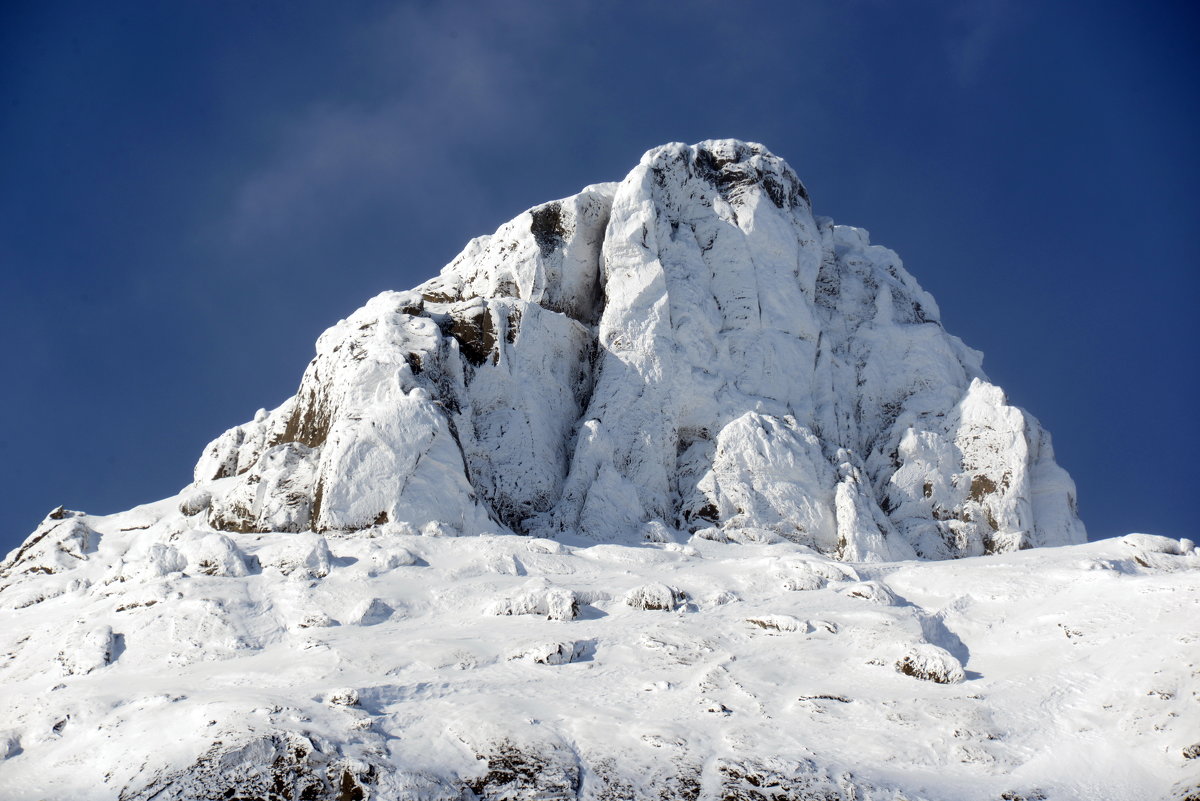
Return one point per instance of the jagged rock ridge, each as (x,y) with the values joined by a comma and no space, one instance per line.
(689,349)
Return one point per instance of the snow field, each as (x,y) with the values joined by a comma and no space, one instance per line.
(940,680)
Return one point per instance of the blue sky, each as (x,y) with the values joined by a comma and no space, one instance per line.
(191,192)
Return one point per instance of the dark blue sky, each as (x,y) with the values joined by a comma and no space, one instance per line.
(191,192)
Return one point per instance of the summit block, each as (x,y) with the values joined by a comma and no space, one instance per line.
(689,348)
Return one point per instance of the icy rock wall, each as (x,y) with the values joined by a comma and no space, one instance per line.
(690,347)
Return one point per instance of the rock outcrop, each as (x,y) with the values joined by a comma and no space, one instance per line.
(689,348)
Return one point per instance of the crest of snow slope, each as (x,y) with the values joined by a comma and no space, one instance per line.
(143,657)
(689,348)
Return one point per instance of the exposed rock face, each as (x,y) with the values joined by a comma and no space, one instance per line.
(689,347)
(58,544)
(278,766)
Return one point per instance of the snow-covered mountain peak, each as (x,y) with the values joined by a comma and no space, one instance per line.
(687,350)
(736,169)
(659,491)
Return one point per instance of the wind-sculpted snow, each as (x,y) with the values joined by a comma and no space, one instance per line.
(629,502)
(691,349)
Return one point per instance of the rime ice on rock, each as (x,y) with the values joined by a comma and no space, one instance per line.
(689,347)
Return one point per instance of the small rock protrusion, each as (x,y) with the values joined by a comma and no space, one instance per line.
(371,612)
(551,653)
(779,623)
(931,663)
(655,597)
(874,591)
(195,503)
(538,598)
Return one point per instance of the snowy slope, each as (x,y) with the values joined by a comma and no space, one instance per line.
(166,662)
(669,489)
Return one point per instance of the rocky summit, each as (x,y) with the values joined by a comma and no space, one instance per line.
(669,489)
(689,350)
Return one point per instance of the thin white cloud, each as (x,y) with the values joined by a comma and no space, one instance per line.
(977,29)
(445,73)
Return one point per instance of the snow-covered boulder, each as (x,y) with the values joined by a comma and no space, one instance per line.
(390,557)
(778,623)
(812,574)
(152,560)
(10,745)
(1153,543)
(538,597)
(874,591)
(304,555)
(551,653)
(931,663)
(369,612)
(195,503)
(87,650)
(210,554)
(59,544)
(344,696)
(655,597)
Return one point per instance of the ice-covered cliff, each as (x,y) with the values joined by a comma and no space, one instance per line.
(689,348)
